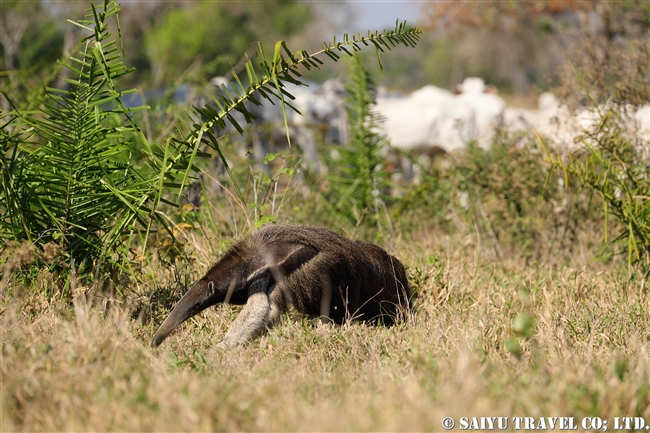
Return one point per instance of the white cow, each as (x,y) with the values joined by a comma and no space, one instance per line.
(321,108)
(563,128)
(642,123)
(429,121)
(432,121)
(487,105)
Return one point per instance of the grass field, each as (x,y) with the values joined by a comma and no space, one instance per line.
(487,338)
(529,269)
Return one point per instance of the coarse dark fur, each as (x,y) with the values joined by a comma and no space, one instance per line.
(312,269)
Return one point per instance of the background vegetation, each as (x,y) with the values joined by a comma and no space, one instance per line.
(529,267)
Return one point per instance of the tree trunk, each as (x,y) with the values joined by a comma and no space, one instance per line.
(12,29)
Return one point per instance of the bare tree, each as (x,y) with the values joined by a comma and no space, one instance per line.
(14,19)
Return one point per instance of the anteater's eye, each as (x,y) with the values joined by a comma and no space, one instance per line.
(211,288)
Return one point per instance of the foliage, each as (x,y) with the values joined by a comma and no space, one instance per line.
(282,67)
(358,179)
(611,83)
(541,36)
(218,33)
(599,71)
(506,195)
(213,33)
(514,16)
(66,176)
(13,24)
(204,30)
(612,165)
(504,199)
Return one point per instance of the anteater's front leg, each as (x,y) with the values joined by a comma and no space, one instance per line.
(254,317)
(250,322)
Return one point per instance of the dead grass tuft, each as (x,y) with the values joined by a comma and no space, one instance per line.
(92,369)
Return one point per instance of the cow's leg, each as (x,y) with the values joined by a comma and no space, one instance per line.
(307,143)
(261,146)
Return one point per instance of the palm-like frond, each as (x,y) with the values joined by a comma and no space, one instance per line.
(284,68)
(66,166)
(74,183)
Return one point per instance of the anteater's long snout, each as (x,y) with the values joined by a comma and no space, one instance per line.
(193,302)
(179,314)
(157,339)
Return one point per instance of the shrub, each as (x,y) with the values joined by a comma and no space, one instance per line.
(612,162)
(505,199)
(357,179)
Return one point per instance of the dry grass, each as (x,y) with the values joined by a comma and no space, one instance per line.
(86,368)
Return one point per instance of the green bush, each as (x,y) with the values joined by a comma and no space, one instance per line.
(612,82)
(357,178)
(505,199)
(507,196)
(612,166)
(66,176)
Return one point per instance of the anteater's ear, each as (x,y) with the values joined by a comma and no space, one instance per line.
(283,260)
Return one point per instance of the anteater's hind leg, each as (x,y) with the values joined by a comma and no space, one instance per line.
(279,304)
